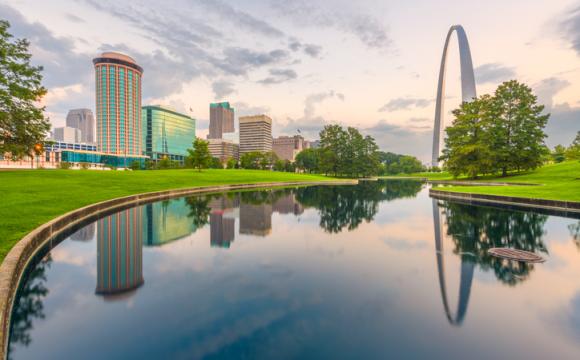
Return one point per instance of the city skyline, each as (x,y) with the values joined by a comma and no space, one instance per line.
(304,69)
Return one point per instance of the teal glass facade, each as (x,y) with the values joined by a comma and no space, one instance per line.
(100,158)
(166,133)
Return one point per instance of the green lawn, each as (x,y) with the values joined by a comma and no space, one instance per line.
(555,182)
(30,198)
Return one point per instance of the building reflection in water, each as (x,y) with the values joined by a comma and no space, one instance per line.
(167,221)
(222,219)
(120,253)
(86,233)
(473,230)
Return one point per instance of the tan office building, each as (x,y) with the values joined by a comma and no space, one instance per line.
(255,134)
(223,149)
(286,147)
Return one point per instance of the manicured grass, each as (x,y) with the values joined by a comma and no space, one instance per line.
(554,182)
(29,198)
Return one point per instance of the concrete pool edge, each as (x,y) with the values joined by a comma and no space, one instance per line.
(560,206)
(16,261)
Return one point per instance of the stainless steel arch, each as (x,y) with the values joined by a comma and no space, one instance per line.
(467,84)
(466,277)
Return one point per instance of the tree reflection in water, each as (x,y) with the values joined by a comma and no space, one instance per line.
(476,229)
(575,233)
(348,206)
(29,304)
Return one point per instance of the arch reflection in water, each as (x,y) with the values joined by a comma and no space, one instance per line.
(466,276)
(476,229)
(120,253)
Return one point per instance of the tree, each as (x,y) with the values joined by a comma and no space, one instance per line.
(199,156)
(250,160)
(279,165)
(573,151)
(307,160)
(467,149)
(516,132)
(22,123)
(498,133)
(164,163)
(559,154)
(231,163)
(215,163)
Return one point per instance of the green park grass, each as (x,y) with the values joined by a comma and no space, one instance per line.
(30,198)
(553,182)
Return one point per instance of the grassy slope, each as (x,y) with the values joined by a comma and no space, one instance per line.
(557,182)
(31,198)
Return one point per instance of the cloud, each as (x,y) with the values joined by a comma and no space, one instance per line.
(244,109)
(238,61)
(62,65)
(413,140)
(404,104)
(563,124)
(493,73)
(366,28)
(74,18)
(570,28)
(311,50)
(548,88)
(278,76)
(241,19)
(309,124)
(222,88)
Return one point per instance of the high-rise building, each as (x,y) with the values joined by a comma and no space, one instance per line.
(286,147)
(118,107)
(223,149)
(67,134)
(83,120)
(255,134)
(221,120)
(166,133)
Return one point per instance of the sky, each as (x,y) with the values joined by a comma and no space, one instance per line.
(307,63)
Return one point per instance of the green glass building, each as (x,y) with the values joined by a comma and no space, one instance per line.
(166,133)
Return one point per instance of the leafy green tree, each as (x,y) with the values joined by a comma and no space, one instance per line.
(22,122)
(573,151)
(307,160)
(215,163)
(199,156)
(250,160)
(559,154)
(231,163)
(467,149)
(333,140)
(516,131)
(279,165)
(498,133)
(135,165)
(164,163)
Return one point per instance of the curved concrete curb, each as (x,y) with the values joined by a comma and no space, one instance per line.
(558,207)
(15,263)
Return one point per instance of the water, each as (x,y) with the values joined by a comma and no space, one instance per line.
(373,271)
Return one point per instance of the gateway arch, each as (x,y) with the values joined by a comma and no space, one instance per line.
(467,85)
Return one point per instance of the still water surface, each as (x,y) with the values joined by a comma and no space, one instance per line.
(373,271)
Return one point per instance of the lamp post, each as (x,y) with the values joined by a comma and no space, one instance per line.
(38,148)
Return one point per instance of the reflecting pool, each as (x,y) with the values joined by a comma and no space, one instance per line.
(373,271)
